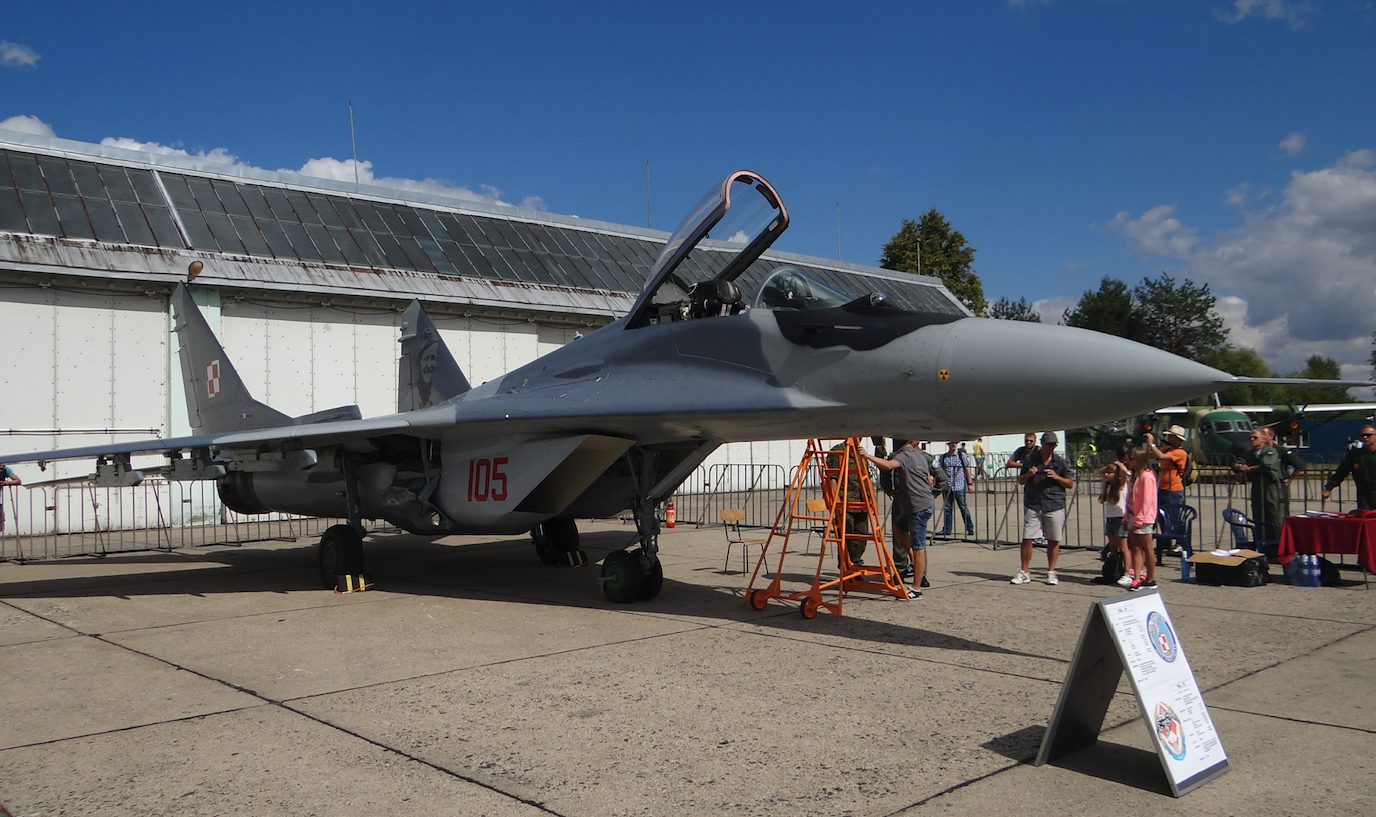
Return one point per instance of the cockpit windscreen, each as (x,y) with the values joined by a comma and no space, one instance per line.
(790,289)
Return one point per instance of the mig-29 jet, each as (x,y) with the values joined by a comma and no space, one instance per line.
(621,417)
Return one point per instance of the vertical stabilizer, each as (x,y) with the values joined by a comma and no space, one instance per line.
(216,399)
(427,373)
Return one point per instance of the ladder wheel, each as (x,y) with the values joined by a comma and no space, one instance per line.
(808,607)
(758,599)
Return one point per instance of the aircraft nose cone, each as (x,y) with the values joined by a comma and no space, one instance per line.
(1056,376)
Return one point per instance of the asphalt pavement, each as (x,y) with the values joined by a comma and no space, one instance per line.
(475,681)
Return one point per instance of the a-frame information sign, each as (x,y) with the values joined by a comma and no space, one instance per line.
(1134,632)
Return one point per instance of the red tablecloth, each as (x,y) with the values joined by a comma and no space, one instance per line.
(1317,534)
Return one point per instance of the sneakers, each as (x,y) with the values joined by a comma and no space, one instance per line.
(1021,578)
(914,594)
(906,573)
(1147,583)
(1126,581)
(1051,577)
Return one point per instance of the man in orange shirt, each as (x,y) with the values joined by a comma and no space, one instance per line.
(1171,456)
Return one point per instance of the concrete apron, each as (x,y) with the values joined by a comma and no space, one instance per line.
(477,681)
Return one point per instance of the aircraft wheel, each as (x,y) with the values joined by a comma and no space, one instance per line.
(651,583)
(758,599)
(808,607)
(621,577)
(553,538)
(340,553)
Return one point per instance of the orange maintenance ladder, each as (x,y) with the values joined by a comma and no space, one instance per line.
(834,470)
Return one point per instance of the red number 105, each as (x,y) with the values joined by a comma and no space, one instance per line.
(486,480)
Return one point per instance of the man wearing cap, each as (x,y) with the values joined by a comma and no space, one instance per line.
(1045,478)
(1361,464)
(1172,457)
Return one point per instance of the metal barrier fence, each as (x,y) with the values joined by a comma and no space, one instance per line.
(51,521)
(996,507)
(76,519)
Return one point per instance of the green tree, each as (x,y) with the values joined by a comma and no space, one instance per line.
(1244,363)
(929,246)
(1179,319)
(1005,309)
(1109,310)
(1318,367)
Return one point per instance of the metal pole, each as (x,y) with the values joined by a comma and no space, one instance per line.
(352,140)
(649,218)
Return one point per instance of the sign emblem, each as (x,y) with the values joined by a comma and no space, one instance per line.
(212,378)
(1170,732)
(943,374)
(1161,636)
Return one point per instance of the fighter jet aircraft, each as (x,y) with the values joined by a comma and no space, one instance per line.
(620,418)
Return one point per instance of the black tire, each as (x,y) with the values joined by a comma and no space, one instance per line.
(621,577)
(808,607)
(651,584)
(553,538)
(758,599)
(340,553)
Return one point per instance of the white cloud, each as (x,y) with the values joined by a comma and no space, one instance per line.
(1293,144)
(1292,13)
(1303,270)
(1237,196)
(218,155)
(343,170)
(14,54)
(1156,232)
(1053,309)
(27,124)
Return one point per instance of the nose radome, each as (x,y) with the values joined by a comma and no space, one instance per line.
(1056,376)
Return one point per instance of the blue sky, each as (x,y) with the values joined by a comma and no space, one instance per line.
(1231,142)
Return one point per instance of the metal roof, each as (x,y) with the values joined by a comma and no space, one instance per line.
(75,208)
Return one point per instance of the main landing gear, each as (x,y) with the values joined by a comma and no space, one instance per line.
(630,575)
(556,543)
(340,554)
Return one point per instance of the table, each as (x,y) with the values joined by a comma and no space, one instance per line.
(1319,534)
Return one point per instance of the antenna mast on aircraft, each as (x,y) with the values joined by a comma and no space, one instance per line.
(649,219)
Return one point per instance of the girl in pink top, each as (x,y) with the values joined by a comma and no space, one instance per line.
(1142,516)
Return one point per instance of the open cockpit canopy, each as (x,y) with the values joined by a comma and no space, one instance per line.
(729,227)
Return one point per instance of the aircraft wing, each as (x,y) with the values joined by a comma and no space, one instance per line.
(336,432)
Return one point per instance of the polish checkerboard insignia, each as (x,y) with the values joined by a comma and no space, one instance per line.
(212,378)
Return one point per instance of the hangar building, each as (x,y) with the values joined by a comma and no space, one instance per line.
(304,280)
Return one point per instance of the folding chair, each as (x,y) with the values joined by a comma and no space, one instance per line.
(816,510)
(1175,522)
(1246,533)
(731,519)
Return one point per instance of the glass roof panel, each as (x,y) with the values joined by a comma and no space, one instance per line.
(368,214)
(56,174)
(117,183)
(321,238)
(302,206)
(457,260)
(75,224)
(346,213)
(301,242)
(419,260)
(196,230)
(228,193)
(276,238)
(11,213)
(104,220)
(474,229)
(257,205)
(26,173)
(477,262)
(146,187)
(38,207)
(205,195)
(248,231)
(436,255)
(324,209)
(88,180)
(500,268)
(433,225)
(281,208)
(367,242)
(224,233)
(179,192)
(346,244)
(509,239)
(396,259)
(414,226)
(134,224)
(395,225)
(596,278)
(451,226)
(164,228)
(517,267)
(535,270)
